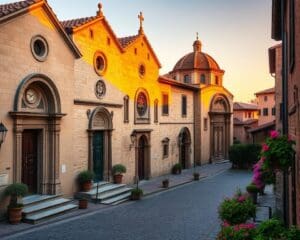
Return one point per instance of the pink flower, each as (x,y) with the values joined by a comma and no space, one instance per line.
(226,224)
(265,147)
(241,199)
(274,134)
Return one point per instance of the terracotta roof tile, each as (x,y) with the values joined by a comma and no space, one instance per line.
(125,41)
(237,121)
(244,106)
(266,91)
(6,9)
(266,126)
(73,23)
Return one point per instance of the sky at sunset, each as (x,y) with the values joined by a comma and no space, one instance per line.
(236,33)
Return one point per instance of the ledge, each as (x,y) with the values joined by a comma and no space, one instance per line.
(96,103)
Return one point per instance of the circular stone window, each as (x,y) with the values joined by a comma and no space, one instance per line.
(100,63)
(142,70)
(39,48)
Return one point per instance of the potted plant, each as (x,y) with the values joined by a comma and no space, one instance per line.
(244,231)
(196,176)
(177,168)
(82,203)
(237,210)
(252,189)
(85,180)
(136,194)
(165,183)
(118,171)
(15,191)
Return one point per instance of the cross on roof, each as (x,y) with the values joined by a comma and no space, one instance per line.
(142,19)
(197,35)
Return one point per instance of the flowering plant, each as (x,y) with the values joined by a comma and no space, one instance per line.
(237,210)
(277,152)
(244,231)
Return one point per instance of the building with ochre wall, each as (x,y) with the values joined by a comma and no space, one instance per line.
(74,96)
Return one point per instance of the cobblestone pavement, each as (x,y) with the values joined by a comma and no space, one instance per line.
(188,212)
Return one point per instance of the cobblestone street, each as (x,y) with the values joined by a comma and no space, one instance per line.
(187,212)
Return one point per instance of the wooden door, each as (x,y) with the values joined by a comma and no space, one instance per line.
(141,158)
(218,144)
(98,155)
(30,160)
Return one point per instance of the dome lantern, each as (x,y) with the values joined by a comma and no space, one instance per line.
(197,44)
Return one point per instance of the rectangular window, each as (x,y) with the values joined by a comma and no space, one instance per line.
(165,105)
(183,106)
(259,112)
(249,115)
(126,109)
(156,111)
(165,143)
(205,124)
(265,112)
(265,98)
(273,111)
(245,115)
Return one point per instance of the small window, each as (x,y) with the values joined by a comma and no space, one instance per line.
(91,34)
(273,111)
(39,48)
(156,111)
(99,63)
(187,79)
(249,115)
(108,41)
(205,122)
(126,109)
(135,51)
(202,79)
(217,80)
(183,106)
(265,98)
(165,106)
(165,143)
(259,112)
(246,115)
(265,112)
(142,70)
(174,78)
(148,56)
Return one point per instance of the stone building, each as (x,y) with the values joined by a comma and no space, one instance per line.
(245,117)
(74,96)
(286,28)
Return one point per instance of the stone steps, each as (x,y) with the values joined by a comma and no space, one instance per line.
(41,207)
(108,193)
(38,217)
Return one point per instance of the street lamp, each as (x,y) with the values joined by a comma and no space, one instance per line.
(133,139)
(3,131)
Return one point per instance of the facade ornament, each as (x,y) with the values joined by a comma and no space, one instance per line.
(142,19)
(99,12)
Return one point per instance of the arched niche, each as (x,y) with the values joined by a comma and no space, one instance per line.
(37,115)
(100,130)
(220,122)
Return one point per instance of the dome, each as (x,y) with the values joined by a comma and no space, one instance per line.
(197,60)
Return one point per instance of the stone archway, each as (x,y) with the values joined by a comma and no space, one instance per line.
(220,120)
(100,129)
(142,154)
(37,115)
(184,140)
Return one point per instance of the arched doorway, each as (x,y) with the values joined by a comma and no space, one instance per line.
(100,128)
(220,120)
(142,154)
(37,115)
(184,140)
(142,157)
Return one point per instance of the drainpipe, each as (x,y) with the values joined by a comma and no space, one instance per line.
(284,110)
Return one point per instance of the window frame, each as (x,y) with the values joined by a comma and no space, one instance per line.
(183,106)
(165,105)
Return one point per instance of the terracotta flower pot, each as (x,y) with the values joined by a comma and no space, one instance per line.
(82,203)
(86,186)
(118,178)
(253,196)
(15,215)
(165,184)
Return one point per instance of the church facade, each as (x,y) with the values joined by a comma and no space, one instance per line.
(74,96)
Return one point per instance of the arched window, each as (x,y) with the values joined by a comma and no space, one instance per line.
(187,79)
(202,79)
(217,80)
(142,107)
(126,109)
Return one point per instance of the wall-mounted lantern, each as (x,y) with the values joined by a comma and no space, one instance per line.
(3,131)
(132,139)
